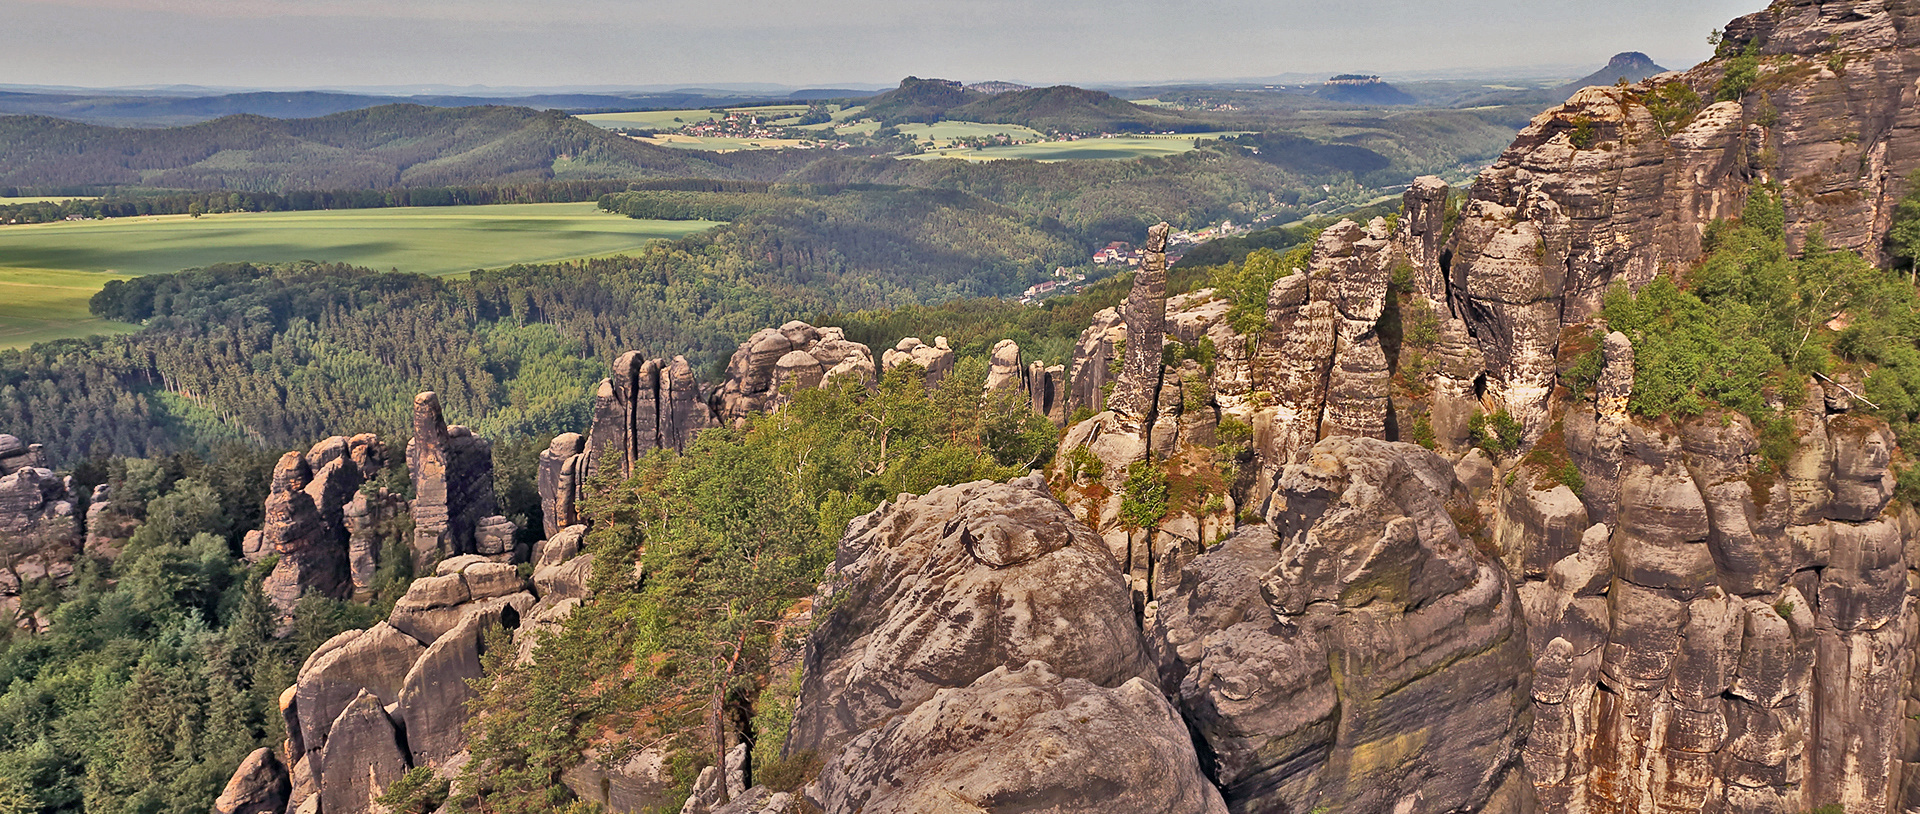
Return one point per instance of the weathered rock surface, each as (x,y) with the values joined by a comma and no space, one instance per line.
(936,359)
(1554,223)
(1360,655)
(324,528)
(259,786)
(933,592)
(40,531)
(1024,739)
(647,404)
(363,756)
(795,354)
(452,473)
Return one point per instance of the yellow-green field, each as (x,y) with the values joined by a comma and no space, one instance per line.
(43,199)
(1089,149)
(676,119)
(48,271)
(944,132)
(720,144)
(41,305)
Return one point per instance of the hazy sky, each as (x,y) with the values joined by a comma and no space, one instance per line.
(309,43)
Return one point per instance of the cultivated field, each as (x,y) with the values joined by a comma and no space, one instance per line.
(1116,148)
(27,199)
(48,271)
(720,144)
(675,119)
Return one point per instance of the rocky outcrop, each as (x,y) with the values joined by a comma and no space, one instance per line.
(453,499)
(1145,315)
(647,404)
(370,704)
(1358,654)
(40,533)
(933,592)
(935,359)
(795,354)
(981,648)
(1601,190)
(324,530)
(259,786)
(1025,739)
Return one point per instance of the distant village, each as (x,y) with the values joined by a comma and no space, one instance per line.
(1121,255)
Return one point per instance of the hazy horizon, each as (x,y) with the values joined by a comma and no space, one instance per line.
(830,43)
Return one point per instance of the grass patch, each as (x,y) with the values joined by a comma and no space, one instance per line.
(48,271)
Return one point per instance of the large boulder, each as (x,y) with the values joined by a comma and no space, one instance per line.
(259,786)
(1025,739)
(932,592)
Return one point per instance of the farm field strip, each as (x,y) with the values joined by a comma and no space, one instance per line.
(1087,149)
(48,271)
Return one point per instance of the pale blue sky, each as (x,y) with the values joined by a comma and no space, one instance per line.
(313,43)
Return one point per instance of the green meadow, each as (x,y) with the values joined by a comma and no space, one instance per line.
(48,271)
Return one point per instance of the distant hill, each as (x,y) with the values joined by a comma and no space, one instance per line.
(373,148)
(919,100)
(1061,107)
(1632,66)
(1070,109)
(1358,89)
(164,110)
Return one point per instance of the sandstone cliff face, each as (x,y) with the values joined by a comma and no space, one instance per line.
(1355,654)
(1600,191)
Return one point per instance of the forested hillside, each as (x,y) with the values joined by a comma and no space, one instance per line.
(374,148)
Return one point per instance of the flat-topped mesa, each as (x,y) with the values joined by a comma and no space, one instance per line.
(1621,182)
(39,530)
(1145,314)
(795,354)
(454,511)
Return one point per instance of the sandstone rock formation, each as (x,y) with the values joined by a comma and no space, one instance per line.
(981,649)
(936,359)
(324,529)
(370,704)
(647,404)
(1357,654)
(932,592)
(1025,739)
(40,532)
(1553,223)
(794,354)
(259,786)
(453,499)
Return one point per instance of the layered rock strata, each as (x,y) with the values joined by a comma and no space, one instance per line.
(1356,653)
(1611,187)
